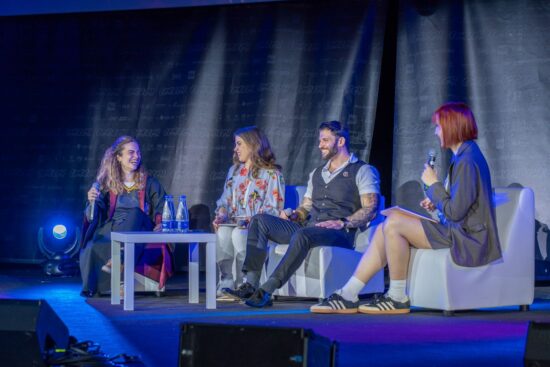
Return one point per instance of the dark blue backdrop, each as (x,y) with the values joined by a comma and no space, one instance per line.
(182,80)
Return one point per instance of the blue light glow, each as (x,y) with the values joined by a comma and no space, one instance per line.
(59,231)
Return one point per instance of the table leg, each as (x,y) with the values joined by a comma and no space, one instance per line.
(193,272)
(115,272)
(211,275)
(128,276)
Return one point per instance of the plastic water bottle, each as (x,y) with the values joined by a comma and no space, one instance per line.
(168,213)
(182,215)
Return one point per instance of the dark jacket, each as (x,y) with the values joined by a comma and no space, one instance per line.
(469,208)
(151,201)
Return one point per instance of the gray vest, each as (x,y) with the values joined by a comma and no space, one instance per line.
(339,198)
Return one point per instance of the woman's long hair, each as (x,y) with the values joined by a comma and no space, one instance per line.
(262,155)
(110,175)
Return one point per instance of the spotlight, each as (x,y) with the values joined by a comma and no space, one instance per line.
(58,241)
(59,231)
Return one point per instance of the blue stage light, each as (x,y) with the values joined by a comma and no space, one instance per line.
(59,241)
(59,231)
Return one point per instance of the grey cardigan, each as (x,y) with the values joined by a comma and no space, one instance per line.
(469,208)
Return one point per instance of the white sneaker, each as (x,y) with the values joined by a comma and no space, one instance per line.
(225,283)
(107,267)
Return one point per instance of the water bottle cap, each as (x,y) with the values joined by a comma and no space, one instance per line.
(168,196)
(183,196)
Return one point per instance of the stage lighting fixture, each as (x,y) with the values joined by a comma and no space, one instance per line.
(59,231)
(58,241)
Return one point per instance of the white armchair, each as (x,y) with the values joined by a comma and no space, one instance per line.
(325,268)
(436,282)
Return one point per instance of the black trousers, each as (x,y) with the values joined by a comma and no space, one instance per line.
(264,227)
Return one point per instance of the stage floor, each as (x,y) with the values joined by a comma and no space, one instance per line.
(494,337)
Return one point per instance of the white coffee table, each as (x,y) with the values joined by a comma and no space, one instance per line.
(129,239)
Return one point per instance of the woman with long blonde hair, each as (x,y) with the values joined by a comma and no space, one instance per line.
(123,198)
(254,185)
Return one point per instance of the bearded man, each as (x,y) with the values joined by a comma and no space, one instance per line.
(341,196)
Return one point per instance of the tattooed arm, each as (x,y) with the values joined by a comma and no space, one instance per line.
(368,211)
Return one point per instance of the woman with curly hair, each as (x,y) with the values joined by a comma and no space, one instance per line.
(123,198)
(254,185)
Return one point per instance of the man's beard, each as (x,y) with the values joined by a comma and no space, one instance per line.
(331,153)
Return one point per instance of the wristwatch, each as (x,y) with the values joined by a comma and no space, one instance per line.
(345,221)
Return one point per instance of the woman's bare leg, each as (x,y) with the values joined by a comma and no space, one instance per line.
(371,262)
(391,239)
(373,259)
(400,232)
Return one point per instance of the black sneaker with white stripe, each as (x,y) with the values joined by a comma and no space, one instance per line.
(335,303)
(240,294)
(385,306)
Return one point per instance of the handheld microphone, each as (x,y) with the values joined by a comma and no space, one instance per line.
(292,215)
(431,158)
(430,162)
(92,202)
(288,212)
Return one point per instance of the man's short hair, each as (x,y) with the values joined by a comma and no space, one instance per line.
(338,129)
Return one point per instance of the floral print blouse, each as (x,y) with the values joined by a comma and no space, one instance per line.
(244,195)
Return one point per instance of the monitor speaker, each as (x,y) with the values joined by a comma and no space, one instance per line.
(246,345)
(28,329)
(537,346)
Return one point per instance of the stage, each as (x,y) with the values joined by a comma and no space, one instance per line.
(494,337)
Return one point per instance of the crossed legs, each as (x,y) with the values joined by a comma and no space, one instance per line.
(391,245)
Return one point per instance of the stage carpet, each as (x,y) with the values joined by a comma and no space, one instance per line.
(493,337)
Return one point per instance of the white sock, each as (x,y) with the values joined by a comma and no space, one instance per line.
(351,289)
(397,290)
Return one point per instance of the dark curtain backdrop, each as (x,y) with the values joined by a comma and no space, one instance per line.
(494,55)
(181,81)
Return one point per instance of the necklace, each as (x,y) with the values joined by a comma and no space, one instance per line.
(131,188)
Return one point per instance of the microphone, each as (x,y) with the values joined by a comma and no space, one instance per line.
(92,202)
(430,162)
(431,158)
(291,215)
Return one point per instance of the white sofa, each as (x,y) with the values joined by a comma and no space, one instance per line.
(436,282)
(325,268)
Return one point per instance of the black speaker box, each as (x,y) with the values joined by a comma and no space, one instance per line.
(239,345)
(537,346)
(29,328)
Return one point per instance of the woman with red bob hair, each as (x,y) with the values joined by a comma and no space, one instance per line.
(467,227)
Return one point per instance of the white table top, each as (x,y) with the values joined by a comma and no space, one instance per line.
(163,237)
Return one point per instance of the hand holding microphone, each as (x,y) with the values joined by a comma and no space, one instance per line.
(289,214)
(93,194)
(429,176)
(431,158)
